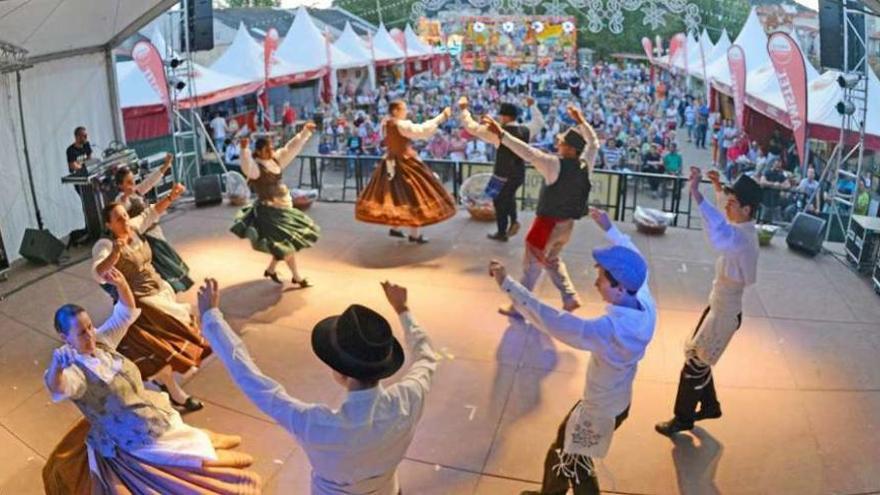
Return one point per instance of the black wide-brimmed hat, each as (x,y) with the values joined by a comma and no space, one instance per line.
(509,109)
(746,190)
(358,343)
(574,139)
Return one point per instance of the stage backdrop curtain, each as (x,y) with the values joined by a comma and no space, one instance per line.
(57,96)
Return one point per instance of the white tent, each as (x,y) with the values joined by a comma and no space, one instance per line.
(306,46)
(415,47)
(685,54)
(385,49)
(244,60)
(702,50)
(210,86)
(753,41)
(352,45)
(71,83)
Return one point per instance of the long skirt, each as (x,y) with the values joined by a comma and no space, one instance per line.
(277,231)
(67,473)
(157,339)
(170,266)
(412,198)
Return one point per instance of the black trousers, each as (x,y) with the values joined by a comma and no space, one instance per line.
(505,205)
(557,484)
(700,140)
(696,385)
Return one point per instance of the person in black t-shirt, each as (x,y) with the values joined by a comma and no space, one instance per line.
(79,152)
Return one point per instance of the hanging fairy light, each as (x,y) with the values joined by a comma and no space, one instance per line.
(507,27)
(479,27)
(568,27)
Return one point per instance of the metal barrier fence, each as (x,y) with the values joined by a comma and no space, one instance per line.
(343,177)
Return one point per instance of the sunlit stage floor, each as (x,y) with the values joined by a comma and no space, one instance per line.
(800,383)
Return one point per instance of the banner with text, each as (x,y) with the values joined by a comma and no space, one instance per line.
(791,71)
(736,59)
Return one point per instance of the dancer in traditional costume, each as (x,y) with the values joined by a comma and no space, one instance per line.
(562,200)
(354,448)
(136,442)
(271,223)
(403,191)
(165,338)
(733,234)
(166,261)
(616,342)
(509,172)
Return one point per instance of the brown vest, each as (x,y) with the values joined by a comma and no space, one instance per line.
(136,264)
(268,185)
(397,144)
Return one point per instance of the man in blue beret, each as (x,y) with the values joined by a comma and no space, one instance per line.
(616,341)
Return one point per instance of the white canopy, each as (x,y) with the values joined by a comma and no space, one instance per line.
(352,45)
(415,47)
(702,50)
(306,46)
(385,49)
(753,41)
(210,86)
(244,60)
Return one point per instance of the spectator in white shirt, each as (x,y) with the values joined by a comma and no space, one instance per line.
(219,127)
(356,448)
(616,342)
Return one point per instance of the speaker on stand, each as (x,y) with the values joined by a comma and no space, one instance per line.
(198,21)
(831,34)
(41,247)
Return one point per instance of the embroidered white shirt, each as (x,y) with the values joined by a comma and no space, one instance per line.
(737,244)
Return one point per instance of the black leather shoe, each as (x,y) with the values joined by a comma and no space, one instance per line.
(672,427)
(513,229)
(396,233)
(497,236)
(418,240)
(191,404)
(301,283)
(713,412)
(272,276)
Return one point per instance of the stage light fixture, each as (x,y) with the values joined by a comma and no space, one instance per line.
(174,63)
(177,83)
(848,81)
(845,107)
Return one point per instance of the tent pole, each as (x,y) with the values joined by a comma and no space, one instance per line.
(113,94)
(27,156)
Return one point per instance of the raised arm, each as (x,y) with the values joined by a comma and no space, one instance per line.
(125,311)
(105,254)
(722,235)
(424,130)
(249,167)
(285,155)
(267,394)
(474,128)
(154,177)
(537,122)
(545,163)
(588,155)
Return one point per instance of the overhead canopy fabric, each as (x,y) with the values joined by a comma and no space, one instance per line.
(244,59)
(352,44)
(48,27)
(306,46)
(415,47)
(385,49)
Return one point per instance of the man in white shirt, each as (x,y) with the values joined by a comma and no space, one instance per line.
(734,236)
(616,342)
(562,200)
(219,128)
(356,448)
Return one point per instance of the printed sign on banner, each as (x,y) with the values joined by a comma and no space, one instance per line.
(148,60)
(788,62)
(736,59)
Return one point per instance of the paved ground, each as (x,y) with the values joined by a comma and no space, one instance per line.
(800,384)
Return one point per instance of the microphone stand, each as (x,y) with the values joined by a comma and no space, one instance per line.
(27,157)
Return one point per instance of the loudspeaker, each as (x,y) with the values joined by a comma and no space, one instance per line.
(199,23)
(40,246)
(806,234)
(208,190)
(831,34)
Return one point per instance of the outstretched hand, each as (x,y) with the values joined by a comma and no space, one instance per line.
(396,296)
(601,218)
(310,126)
(715,177)
(576,114)
(463,103)
(694,182)
(176,191)
(169,159)
(209,295)
(492,125)
(498,271)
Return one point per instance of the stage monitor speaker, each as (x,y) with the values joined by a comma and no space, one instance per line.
(831,34)
(199,23)
(40,246)
(208,190)
(806,234)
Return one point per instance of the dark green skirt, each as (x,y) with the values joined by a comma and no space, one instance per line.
(170,266)
(277,231)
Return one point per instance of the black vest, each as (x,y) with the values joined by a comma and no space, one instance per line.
(507,163)
(567,197)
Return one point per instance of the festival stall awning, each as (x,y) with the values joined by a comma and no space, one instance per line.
(385,49)
(245,59)
(352,45)
(415,47)
(305,46)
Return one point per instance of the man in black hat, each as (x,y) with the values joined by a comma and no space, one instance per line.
(734,235)
(355,448)
(562,200)
(509,168)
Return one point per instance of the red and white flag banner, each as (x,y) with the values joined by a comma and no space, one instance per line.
(788,61)
(649,49)
(270,44)
(736,59)
(676,44)
(148,60)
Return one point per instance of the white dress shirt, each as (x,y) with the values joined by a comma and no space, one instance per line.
(356,448)
(548,164)
(140,190)
(482,132)
(616,341)
(422,131)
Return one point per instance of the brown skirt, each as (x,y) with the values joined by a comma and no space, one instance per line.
(67,473)
(413,198)
(157,339)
